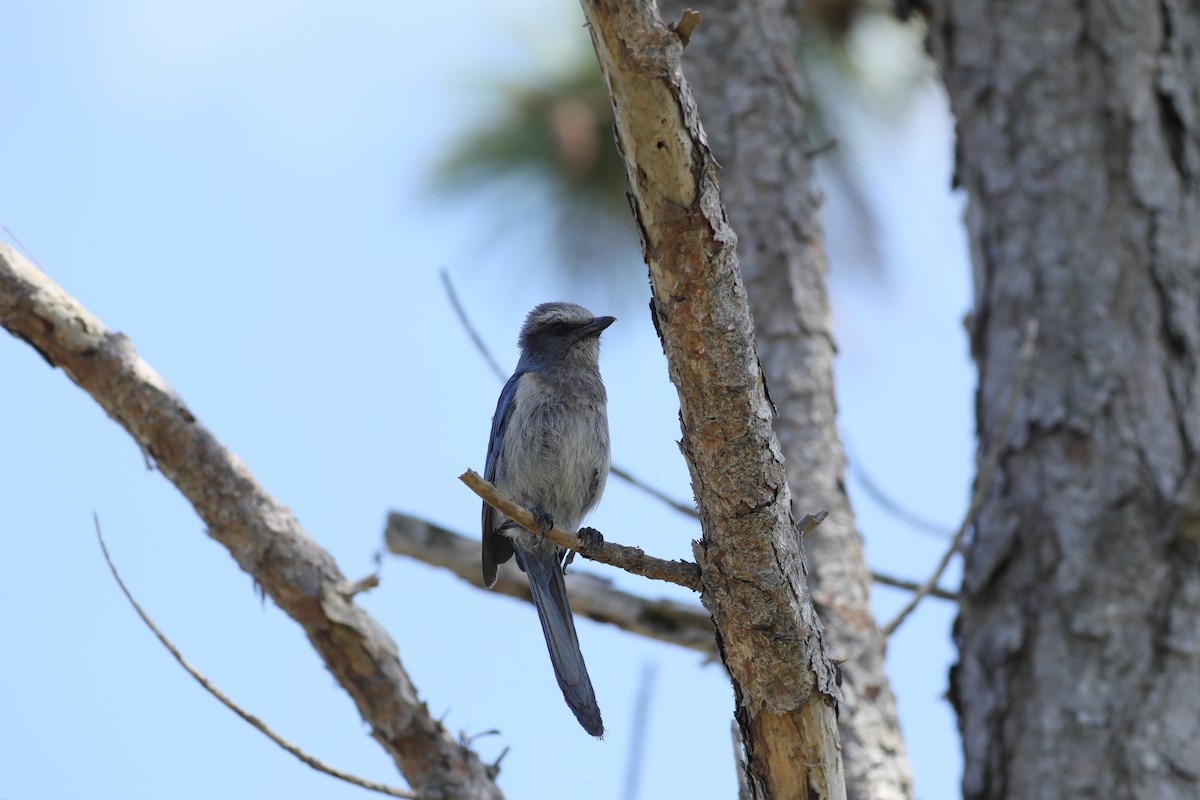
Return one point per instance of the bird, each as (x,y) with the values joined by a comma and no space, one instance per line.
(549,452)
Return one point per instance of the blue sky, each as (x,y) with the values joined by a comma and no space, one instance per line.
(241,188)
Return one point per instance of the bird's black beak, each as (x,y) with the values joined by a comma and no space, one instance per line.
(595,327)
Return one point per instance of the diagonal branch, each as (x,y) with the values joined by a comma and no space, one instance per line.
(460,311)
(255,722)
(983,484)
(260,533)
(890,504)
(752,567)
(683,624)
(630,559)
(657,494)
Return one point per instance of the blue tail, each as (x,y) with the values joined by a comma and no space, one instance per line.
(542,565)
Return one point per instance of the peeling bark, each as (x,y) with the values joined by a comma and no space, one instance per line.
(742,68)
(752,569)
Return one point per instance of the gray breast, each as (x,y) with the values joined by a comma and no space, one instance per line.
(556,450)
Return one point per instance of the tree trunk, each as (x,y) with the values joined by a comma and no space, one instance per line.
(752,571)
(742,68)
(1079,635)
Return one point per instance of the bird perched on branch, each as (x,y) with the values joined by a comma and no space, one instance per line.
(549,452)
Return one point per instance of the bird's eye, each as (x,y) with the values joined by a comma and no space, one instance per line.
(560,328)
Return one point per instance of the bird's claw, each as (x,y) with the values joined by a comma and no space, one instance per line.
(544,521)
(590,538)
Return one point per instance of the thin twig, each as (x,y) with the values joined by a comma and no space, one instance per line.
(641,723)
(983,485)
(311,761)
(630,559)
(461,312)
(739,761)
(910,518)
(476,339)
(657,494)
(21,245)
(823,148)
(911,586)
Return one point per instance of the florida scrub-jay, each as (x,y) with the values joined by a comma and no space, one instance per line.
(549,453)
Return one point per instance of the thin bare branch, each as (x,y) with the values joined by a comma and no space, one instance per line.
(739,761)
(261,534)
(889,504)
(637,739)
(912,586)
(630,559)
(657,494)
(312,761)
(476,339)
(810,521)
(983,485)
(21,246)
(682,624)
(618,472)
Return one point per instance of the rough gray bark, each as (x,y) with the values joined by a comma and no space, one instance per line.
(742,67)
(1079,636)
(752,571)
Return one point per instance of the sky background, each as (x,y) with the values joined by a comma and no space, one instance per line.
(242,188)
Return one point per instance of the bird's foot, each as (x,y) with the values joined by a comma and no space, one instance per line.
(544,521)
(590,538)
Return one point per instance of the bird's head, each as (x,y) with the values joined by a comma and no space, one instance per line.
(561,333)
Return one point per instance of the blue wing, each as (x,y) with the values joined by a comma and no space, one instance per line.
(496,547)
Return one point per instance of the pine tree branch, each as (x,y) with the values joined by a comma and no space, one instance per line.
(260,533)
(884,579)
(630,559)
(683,624)
(593,597)
(228,702)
